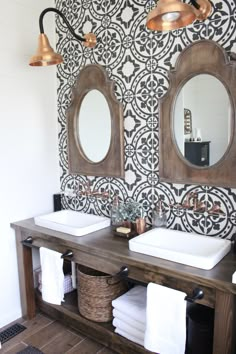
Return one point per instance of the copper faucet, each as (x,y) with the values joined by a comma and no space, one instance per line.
(198,206)
(88,191)
(216,209)
(188,204)
(193,203)
(87,188)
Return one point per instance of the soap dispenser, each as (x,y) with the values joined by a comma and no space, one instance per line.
(159,218)
(115,214)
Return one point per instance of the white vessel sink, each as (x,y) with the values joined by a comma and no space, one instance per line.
(72,222)
(190,249)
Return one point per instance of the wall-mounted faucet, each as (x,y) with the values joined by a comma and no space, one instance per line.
(216,209)
(188,202)
(87,191)
(198,206)
(193,203)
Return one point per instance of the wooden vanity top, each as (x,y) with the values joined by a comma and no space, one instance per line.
(115,250)
(107,253)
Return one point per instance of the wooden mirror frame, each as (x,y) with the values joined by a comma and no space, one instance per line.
(92,77)
(202,57)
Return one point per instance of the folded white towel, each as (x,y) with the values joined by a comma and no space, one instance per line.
(129,329)
(52,276)
(141,326)
(133,303)
(165,321)
(128,336)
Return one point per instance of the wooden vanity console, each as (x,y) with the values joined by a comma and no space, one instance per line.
(104,252)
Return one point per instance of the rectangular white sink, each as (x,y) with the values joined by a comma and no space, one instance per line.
(72,222)
(190,249)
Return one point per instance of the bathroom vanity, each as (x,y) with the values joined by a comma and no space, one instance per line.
(102,251)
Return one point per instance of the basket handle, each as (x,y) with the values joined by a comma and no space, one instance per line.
(123,273)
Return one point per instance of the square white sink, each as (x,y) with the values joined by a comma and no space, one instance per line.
(72,222)
(190,249)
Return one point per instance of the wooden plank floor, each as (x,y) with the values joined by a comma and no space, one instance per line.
(51,337)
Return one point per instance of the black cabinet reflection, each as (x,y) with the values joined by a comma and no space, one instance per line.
(197,152)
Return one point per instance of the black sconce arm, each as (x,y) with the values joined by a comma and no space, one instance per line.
(195,4)
(52,9)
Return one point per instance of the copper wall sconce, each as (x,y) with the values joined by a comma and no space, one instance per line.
(45,55)
(173,14)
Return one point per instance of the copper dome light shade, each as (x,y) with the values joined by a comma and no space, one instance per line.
(173,14)
(45,55)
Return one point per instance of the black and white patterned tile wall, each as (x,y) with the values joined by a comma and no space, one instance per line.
(138,60)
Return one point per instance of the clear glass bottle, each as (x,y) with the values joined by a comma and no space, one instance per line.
(115,214)
(159,218)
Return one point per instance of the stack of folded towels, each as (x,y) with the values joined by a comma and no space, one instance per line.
(154,317)
(129,312)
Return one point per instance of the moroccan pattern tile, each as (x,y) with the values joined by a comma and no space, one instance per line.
(138,61)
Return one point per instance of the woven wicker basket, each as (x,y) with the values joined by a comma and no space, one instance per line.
(96,291)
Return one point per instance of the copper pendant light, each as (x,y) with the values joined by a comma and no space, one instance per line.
(173,14)
(45,55)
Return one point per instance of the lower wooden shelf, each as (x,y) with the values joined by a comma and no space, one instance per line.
(103,333)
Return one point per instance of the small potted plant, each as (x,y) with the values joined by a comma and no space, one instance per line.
(132,214)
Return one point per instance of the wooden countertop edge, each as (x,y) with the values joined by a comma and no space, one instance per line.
(145,262)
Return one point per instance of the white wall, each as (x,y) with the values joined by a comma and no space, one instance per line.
(28,136)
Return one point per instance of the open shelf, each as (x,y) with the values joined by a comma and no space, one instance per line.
(101,332)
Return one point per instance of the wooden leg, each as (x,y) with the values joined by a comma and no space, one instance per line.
(224,331)
(25,270)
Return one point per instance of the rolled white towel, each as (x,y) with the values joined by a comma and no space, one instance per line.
(133,303)
(129,320)
(128,329)
(128,336)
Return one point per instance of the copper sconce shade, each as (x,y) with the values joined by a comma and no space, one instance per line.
(45,55)
(173,14)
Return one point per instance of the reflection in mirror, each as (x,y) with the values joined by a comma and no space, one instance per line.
(94,126)
(205,100)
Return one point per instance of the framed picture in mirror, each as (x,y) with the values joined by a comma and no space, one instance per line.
(187,121)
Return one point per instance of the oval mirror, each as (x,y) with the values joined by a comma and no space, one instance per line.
(202,120)
(211,118)
(94,126)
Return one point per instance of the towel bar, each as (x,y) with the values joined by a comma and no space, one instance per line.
(68,254)
(197,294)
(27,241)
(123,272)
